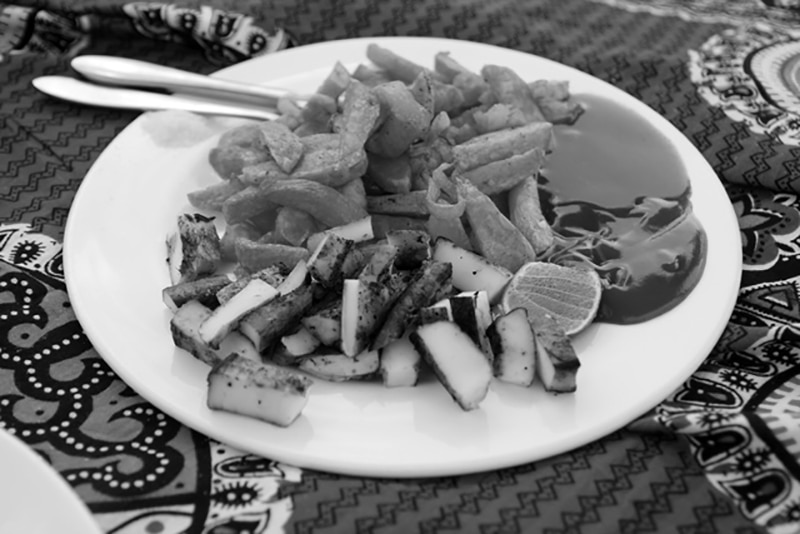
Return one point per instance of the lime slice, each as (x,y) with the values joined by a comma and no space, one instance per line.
(570,294)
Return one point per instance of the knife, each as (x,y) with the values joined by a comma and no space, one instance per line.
(119,71)
(73,90)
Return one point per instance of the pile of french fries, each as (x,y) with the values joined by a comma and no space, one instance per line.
(380,166)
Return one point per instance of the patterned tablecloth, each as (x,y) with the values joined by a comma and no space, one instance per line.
(721,454)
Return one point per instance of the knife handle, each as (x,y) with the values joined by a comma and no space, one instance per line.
(113,70)
(89,94)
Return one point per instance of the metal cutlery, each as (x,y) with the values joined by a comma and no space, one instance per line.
(119,71)
(117,77)
(89,94)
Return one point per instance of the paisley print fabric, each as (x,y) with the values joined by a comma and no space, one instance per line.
(137,469)
(225,36)
(749,73)
(782,13)
(769,224)
(725,454)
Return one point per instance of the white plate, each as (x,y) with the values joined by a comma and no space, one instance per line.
(114,262)
(36,500)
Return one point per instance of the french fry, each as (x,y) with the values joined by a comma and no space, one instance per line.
(228,161)
(411,204)
(498,117)
(559,112)
(525,212)
(318,142)
(290,121)
(451,229)
(247,203)
(406,121)
(493,235)
(245,135)
(471,86)
(283,145)
(549,89)
(390,175)
(461,131)
(442,197)
(499,176)
(289,112)
(439,124)
(446,67)
(294,225)
(271,238)
(354,190)
(255,256)
(264,171)
(237,148)
(422,91)
(328,206)
(336,82)
(423,158)
(361,110)
(554,99)
(212,196)
(331,159)
(508,88)
(446,207)
(288,107)
(502,144)
(370,76)
(316,116)
(232,232)
(446,98)
(396,66)
(264,221)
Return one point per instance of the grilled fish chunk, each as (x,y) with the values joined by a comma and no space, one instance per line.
(460,365)
(260,390)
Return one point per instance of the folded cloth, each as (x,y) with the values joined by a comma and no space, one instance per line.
(66,28)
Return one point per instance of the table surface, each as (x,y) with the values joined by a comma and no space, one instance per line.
(720,454)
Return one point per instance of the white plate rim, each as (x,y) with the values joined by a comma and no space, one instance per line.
(296,445)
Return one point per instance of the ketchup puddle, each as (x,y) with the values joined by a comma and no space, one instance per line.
(617,193)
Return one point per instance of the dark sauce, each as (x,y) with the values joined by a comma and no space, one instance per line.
(618,196)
